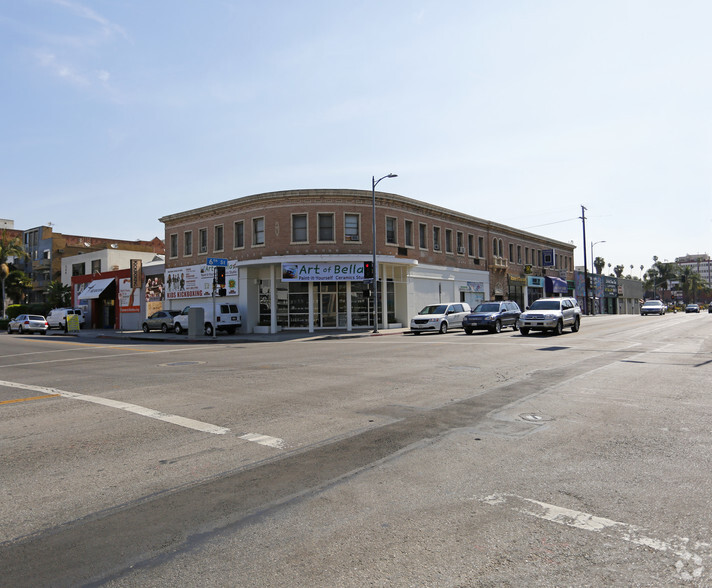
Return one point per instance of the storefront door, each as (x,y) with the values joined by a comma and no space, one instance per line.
(327,316)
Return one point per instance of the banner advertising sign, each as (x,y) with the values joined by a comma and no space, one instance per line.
(196,281)
(322,272)
(154,294)
(129,297)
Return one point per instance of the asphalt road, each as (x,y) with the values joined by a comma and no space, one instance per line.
(440,460)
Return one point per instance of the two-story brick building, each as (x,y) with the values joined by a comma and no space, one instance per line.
(296,258)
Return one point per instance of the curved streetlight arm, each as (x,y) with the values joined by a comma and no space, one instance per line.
(375,263)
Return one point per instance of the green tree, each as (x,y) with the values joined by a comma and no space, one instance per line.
(618,270)
(9,247)
(599,263)
(58,295)
(18,282)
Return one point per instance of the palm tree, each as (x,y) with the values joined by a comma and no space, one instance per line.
(9,247)
(599,263)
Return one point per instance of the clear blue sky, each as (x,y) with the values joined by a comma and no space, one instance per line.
(116,112)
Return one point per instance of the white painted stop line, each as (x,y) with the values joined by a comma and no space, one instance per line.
(150,413)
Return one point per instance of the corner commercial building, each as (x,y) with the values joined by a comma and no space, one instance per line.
(296,258)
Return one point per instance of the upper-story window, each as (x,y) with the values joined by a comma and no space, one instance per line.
(351,227)
(408,237)
(219,244)
(203,241)
(258,231)
(519,254)
(299,228)
(96,266)
(173,247)
(511,253)
(448,240)
(391,232)
(460,243)
(436,238)
(423,235)
(480,247)
(326,226)
(239,235)
(471,245)
(188,244)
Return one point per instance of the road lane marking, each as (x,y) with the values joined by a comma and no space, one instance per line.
(28,399)
(94,357)
(690,554)
(258,438)
(264,440)
(134,408)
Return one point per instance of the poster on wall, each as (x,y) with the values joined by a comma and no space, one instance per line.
(196,281)
(322,272)
(154,294)
(129,298)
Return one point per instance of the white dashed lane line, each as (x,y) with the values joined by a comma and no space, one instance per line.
(150,413)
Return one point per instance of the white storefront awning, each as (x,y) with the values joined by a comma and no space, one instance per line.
(94,289)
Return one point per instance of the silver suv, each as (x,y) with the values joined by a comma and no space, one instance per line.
(551,314)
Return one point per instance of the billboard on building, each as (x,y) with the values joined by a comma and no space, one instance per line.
(196,281)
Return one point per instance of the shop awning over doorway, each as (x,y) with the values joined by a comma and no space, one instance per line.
(95,288)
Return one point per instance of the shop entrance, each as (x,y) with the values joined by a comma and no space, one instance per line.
(330,310)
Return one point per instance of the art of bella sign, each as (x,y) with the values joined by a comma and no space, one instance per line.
(322,272)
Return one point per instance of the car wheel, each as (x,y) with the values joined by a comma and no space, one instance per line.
(576,326)
(469,330)
(559,329)
(524,331)
(443,328)
(9,330)
(515,326)
(415,332)
(208,329)
(178,329)
(19,330)
(164,328)
(145,328)
(497,327)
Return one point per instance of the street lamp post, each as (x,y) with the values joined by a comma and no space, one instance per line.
(593,271)
(374,183)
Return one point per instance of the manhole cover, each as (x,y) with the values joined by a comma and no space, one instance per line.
(175,363)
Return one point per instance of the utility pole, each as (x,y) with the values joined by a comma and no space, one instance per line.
(585,262)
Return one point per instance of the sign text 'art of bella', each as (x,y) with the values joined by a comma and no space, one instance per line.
(322,272)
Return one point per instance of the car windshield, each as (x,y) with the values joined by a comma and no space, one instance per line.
(545,305)
(434,309)
(487,307)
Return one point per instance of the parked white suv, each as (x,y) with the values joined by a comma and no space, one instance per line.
(551,314)
(57,317)
(228,318)
(439,318)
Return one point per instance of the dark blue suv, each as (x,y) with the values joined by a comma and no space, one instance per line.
(492,316)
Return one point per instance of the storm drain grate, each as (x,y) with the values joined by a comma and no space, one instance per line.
(553,348)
